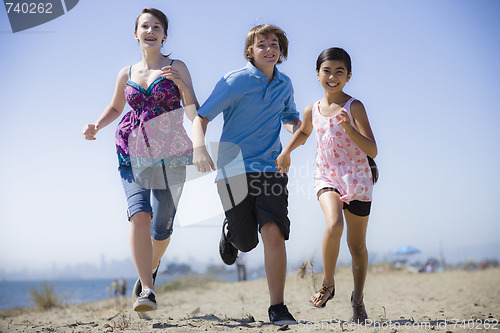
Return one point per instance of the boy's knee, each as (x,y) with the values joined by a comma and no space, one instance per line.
(271,232)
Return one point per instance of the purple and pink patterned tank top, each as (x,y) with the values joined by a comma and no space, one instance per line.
(152,133)
(340,163)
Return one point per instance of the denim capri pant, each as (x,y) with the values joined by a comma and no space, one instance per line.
(160,203)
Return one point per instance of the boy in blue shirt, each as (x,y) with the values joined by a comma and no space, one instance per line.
(255,101)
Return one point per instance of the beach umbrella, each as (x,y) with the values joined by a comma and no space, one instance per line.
(406,249)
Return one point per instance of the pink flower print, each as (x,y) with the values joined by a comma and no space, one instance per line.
(338,133)
(337,155)
(355,181)
(365,198)
(348,142)
(367,170)
(322,130)
(358,152)
(363,160)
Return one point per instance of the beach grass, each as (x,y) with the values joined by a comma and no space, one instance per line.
(45,297)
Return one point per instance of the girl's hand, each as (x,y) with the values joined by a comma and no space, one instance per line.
(169,72)
(344,121)
(89,131)
(283,163)
(202,160)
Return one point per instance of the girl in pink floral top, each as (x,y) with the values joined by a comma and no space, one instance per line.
(151,141)
(344,179)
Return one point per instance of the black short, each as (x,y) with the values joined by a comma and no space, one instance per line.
(252,200)
(356,207)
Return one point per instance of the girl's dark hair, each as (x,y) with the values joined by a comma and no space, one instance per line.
(156,13)
(334,53)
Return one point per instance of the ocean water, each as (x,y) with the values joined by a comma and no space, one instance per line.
(14,294)
(17,294)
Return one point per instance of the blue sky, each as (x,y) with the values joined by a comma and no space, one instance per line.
(427,72)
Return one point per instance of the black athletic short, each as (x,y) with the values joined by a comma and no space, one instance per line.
(356,207)
(252,200)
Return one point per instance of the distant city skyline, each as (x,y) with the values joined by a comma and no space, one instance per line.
(113,268)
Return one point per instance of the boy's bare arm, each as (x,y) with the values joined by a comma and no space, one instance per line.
(292,125)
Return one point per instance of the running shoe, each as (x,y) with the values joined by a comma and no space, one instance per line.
(279,315)
(227,251)
(138,285)
(145,302)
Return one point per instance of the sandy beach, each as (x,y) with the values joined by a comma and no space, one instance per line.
(396,301)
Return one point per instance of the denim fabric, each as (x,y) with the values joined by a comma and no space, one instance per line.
(160,203)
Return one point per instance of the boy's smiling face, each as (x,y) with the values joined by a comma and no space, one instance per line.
(266,52)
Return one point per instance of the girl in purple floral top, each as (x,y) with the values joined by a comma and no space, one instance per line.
(151,141)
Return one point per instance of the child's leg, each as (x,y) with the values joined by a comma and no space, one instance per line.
(332,208)
(164,203)
(139,213)
(159,248)
(356,240)
(141,246)
(274,261)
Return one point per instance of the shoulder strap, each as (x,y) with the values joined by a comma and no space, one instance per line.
(347,105)
(315,110)
(129,70)
(171,62)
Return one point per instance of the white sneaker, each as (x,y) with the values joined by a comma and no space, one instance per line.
(145,302)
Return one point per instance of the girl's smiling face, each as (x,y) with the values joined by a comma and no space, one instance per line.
(150,32)
(333,75)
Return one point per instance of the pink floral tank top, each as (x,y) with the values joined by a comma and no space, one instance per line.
(152,133)
(340,164)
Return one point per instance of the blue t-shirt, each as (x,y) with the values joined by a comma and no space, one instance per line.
(253,112)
